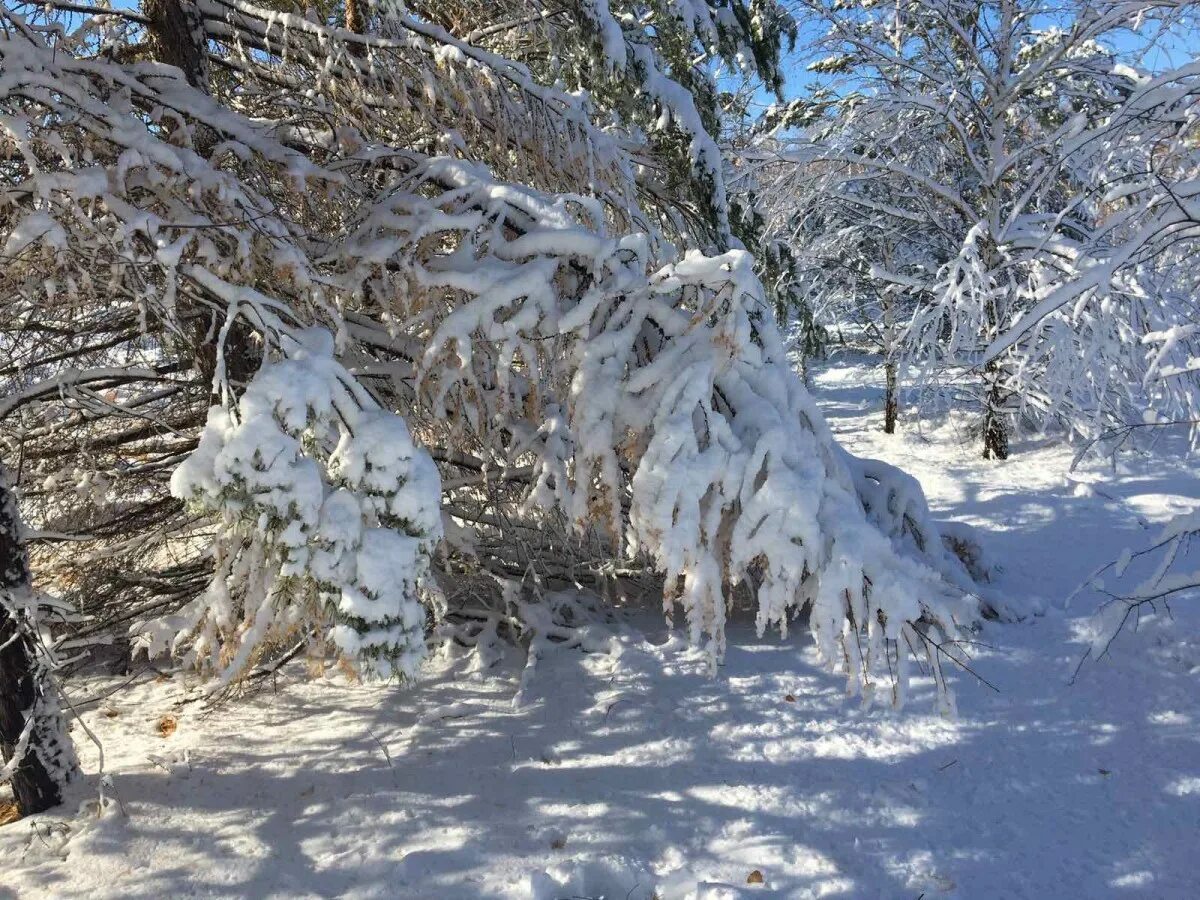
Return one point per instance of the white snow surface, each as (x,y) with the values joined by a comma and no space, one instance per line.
(632,774)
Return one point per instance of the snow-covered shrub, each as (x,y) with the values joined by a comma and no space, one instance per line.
(895,503)
(327,516)
(652,401)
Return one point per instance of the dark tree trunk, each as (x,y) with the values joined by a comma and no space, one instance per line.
(995,397)
(995,429)
(48,761)
(891,350)
(176,33)
(890,404)
(355,20)
(177,38)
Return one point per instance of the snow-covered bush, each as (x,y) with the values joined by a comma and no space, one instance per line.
(327,515)
(652,401)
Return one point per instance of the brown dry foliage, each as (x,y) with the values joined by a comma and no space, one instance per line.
(9,812)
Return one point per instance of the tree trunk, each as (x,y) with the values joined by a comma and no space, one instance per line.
(891,343)
(890,406)
(47,762)
(177,38)
(995,430)
(355,20)
(176,32)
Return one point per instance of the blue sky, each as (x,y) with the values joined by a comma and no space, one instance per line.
(1173,50)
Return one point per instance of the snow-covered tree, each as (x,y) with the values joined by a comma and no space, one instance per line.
(860,263)
(1149,229)
(987,131)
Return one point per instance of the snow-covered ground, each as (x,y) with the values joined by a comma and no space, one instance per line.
(632,774)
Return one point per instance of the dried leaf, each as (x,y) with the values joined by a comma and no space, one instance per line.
(166,726)
(755,877)
(9,811)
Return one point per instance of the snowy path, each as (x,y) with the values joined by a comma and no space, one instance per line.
(631,773)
